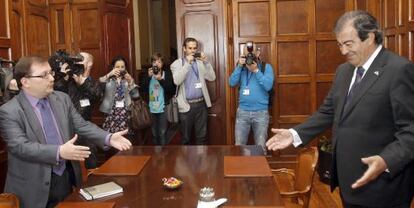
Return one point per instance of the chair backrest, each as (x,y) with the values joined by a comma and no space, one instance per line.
(305,168)
(9,200)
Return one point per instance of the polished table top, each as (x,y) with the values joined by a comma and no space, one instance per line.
(198,167)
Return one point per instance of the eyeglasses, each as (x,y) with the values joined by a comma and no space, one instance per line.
(43,76)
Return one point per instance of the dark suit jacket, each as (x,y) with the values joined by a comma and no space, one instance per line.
(30,159)
(378,121)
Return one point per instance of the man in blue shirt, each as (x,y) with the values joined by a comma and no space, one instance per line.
(254,86)
(190,74)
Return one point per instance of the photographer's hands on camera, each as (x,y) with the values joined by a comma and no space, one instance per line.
(252,67)
(79,79)
(198,55)
(120,74)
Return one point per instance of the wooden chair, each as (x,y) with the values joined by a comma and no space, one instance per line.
(300,181)
(9,200)
(85,172)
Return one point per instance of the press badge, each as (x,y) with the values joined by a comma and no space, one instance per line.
(198,85)
(246,91)
(119,104)
(84,102)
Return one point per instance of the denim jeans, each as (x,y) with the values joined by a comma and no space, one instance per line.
(159,128)
(257,120)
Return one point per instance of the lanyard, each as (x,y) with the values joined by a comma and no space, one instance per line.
(120,89)
(196,72)
(248,77)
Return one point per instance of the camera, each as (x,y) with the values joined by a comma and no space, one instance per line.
(61,57)
(155,69)
(250,57)
(197,55)
(122,73)
(6,73)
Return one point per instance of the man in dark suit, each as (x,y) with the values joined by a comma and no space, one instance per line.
(370,108)
(40,127)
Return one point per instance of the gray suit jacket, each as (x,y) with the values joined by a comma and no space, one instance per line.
(30,159)
(378,121)
(180,70)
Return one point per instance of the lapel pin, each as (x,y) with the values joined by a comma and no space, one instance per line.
(376,73)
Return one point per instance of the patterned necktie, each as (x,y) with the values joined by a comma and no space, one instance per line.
(358,78)
(51,133)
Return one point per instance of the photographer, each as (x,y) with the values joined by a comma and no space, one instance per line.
(160,88)
(79,85)
(190,74)
(8,84)
(116,101)
(255,80)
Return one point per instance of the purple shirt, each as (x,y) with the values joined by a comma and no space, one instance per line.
(191,79)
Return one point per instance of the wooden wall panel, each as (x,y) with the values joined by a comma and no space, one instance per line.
(289,103)
(116,26)
(298,49)
(292,17)
(17,30)
(38,42)
(326,13)
(328,58)
(253,24)
(203,20)
(396,17)
(118,33)
(4,16)
(37,26)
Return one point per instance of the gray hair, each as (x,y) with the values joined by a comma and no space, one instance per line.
(363,22)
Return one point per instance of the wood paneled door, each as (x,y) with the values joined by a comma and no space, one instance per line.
(203,20)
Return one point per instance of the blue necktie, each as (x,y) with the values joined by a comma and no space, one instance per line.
(51,133)
(358,78)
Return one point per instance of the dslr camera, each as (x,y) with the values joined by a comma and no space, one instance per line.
(61,57)
(250,56)
(197,54)
(122,73)
(155,69)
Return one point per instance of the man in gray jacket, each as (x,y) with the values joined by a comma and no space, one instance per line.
(40,127)
(190,74)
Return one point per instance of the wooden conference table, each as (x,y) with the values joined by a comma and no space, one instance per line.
(198,167)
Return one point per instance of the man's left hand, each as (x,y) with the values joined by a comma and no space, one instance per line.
(119,142)
(376,166)
(203,57)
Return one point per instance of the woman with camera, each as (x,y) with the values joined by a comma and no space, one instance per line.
(160,88)
(116,98)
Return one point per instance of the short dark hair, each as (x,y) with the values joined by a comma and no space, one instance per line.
(189,39)
(118,58)
(23,67)
(157,56)
(363,22)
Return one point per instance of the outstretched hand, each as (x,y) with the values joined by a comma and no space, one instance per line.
(282,139)
(376,166)
(119,142)
(70,151)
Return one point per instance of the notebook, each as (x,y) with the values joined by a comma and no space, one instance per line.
(246,166)
(101,190)
(122,165)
